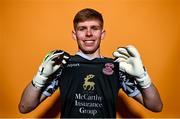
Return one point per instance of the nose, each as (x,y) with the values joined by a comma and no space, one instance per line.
(89,33)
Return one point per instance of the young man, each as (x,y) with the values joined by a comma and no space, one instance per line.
(89,83)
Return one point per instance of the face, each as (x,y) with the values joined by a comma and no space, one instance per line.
(88,35)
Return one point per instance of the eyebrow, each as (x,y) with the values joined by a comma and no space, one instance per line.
(93,26)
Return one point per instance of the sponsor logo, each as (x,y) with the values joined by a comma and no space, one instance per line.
(73,65)
(83,110)
(88,104)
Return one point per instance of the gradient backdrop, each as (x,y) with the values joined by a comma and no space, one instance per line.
(31,28)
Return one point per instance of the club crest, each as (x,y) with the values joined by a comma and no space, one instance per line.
(88,85)
(108,69)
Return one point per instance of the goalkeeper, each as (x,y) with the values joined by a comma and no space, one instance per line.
(89,83)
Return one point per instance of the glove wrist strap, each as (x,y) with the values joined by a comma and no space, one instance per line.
(39,81)
(144,81)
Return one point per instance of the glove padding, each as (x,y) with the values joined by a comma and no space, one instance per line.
(52,62)
(130,62)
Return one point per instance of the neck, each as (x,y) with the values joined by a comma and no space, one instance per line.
(96,54)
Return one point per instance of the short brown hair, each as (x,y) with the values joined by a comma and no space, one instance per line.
(87,14)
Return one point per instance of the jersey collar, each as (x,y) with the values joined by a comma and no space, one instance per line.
(86,56)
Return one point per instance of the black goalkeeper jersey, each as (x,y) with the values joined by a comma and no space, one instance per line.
(89,88)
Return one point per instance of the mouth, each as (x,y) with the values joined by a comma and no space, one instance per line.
(89,42)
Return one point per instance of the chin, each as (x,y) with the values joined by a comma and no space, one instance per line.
(88,51)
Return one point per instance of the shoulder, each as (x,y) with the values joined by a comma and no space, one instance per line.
(108,59)
(76,58)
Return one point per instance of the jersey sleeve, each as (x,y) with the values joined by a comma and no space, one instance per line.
(128,84)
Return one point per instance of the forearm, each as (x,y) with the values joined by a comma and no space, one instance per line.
(130,62)
(32,95)
(30,99)
(150,98)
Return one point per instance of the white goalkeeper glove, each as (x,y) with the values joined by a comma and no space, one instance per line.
(130,62)
(52,62)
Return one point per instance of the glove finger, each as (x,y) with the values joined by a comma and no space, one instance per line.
(53,60)
(56,67)
(132,51)
(120,60)
(123,56)
(123,51)
(59,55)
(58,63)
(62,59)
(53,57)
(124,66)
(116,54)
(66,55)
(119,55)
(52,54)
(49,62)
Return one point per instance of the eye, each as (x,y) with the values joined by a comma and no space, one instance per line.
(96,27)
(81,28)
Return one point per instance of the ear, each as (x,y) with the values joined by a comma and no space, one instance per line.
(103,34)
(74,35)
